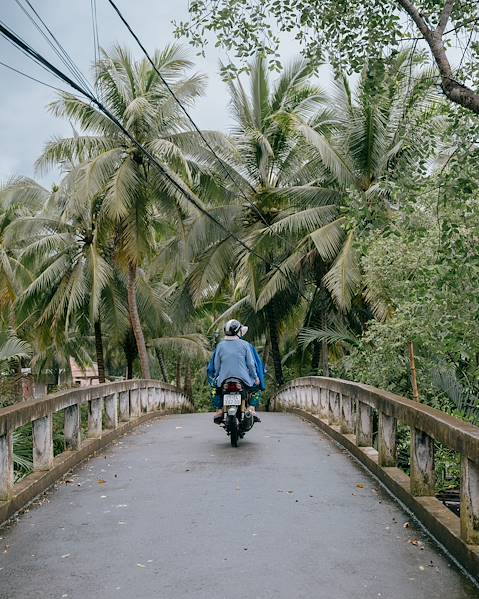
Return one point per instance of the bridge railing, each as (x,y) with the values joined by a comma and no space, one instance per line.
(112,409)
(348,409)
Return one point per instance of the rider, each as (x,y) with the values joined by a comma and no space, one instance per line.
(233,357)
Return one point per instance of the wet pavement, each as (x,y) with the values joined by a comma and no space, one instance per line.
(172,511)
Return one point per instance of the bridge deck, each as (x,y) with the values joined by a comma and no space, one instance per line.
(183,515)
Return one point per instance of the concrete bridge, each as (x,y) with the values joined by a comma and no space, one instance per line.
(307,506)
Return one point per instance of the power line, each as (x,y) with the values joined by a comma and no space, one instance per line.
(7,66)
(11,35)
(190,198)
(53,42)
(197,129)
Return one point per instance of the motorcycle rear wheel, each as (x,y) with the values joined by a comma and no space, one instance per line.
(233,428)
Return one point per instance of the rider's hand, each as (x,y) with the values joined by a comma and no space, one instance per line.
(256,381)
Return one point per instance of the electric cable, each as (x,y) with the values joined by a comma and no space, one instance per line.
(31,52)
(7,66)
(197,129)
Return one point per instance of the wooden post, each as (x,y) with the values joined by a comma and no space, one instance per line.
(347,415)
(72,428)
(364,425)
(134,403)
(124,406)
(6,466)
(470,501)
(422,464)
(387,452)
(111,411)
(43,443)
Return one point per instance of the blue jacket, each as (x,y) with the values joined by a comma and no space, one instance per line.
(260,369)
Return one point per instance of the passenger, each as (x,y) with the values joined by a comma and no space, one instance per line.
(233,357)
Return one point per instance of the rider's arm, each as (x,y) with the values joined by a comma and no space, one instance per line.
(250,362)
(211,369)
(216,363)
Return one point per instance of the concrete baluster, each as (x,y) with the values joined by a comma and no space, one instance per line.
(470,501)
(6,466)
(347,415)
(324,403)
(111,411)
(364,425)
(95,409)
(422,475)
(159,395)
(144,399)
(135,409)
(313,393)
(334,415)
(303,401)
(387,451)
(309,398)
(151,399)
(124,406)
(43,443)
(72,428)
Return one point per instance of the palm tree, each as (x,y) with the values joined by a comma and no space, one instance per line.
(379,137)
(16,201)
(134,196)
(268,169)
(66,249)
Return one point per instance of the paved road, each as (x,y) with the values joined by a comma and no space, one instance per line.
(182,515)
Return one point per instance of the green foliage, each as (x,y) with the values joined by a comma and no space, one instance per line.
(344,32)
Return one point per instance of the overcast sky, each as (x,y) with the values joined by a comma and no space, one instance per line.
(25,124)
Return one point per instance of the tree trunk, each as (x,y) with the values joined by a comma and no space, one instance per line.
(135,322)
(178,372)
(455,91)
(266,352)
(161,361)
(100,362)
(412,362)
(324,343)
(188,386)
(275,351)
(315,357)
(129,348)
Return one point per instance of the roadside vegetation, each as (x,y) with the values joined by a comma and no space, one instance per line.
(344,233)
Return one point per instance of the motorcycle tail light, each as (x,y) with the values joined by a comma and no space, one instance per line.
(233,387)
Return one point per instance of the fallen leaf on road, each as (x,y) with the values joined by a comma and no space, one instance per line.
(66,555)
(405,525)
(141,565)
(360,486)
(422,568)
(101,481)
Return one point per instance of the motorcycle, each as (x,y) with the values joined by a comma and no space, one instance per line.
(238,419)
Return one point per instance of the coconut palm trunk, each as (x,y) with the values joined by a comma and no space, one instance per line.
(161,361)
(274,338)
(135,322)
(100,361)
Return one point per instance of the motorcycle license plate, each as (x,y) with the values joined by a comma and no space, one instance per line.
(233,399)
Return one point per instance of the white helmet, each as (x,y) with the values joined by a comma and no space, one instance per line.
(235,328)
